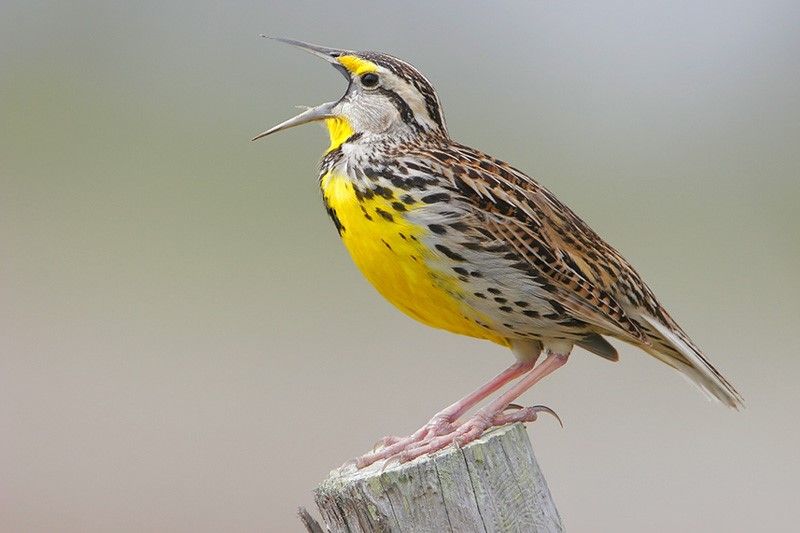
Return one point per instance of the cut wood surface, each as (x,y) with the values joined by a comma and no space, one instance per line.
(492,484)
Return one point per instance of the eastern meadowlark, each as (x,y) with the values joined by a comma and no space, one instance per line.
(462,241)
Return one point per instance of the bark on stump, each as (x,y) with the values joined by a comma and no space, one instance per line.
(492,484)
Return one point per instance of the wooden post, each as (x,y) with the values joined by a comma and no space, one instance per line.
(492,484)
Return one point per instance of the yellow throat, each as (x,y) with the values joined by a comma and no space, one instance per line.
(390,251)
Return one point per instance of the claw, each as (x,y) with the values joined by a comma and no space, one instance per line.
(384,442)
(524,415)
(513,407)
(545,409)
(394,460)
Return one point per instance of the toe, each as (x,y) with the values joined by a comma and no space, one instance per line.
(526,414)
(383,442)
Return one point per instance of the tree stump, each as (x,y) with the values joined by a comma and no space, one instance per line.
(492,484)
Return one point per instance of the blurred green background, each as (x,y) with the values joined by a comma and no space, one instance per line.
(186,346)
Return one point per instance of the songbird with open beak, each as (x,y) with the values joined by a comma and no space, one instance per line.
(464,242)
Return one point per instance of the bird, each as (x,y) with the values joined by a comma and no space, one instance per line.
(462,241)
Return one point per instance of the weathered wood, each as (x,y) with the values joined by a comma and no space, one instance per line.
(492,484)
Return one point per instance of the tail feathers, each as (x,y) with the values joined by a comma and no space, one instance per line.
(596,344)
(690,362)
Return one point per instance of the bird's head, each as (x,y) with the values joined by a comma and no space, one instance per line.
(385,96)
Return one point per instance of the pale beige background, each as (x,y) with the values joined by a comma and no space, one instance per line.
(186,347)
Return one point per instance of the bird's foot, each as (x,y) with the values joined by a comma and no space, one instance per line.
(472,429)
(523,414)
(439,433)
(390,446)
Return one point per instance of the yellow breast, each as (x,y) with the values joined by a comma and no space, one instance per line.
(390,252)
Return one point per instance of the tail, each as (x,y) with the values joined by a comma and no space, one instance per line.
(671,345)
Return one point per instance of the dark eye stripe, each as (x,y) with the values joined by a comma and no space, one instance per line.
(405,111)
(417,80)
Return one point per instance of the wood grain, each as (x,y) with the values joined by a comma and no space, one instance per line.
(493,484)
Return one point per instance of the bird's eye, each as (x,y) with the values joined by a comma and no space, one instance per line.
(369,80)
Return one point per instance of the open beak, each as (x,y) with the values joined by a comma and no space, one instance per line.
(322,111)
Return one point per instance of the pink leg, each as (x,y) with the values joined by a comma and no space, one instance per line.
(442,422)
(552,362)
(485,417)
(456,410)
